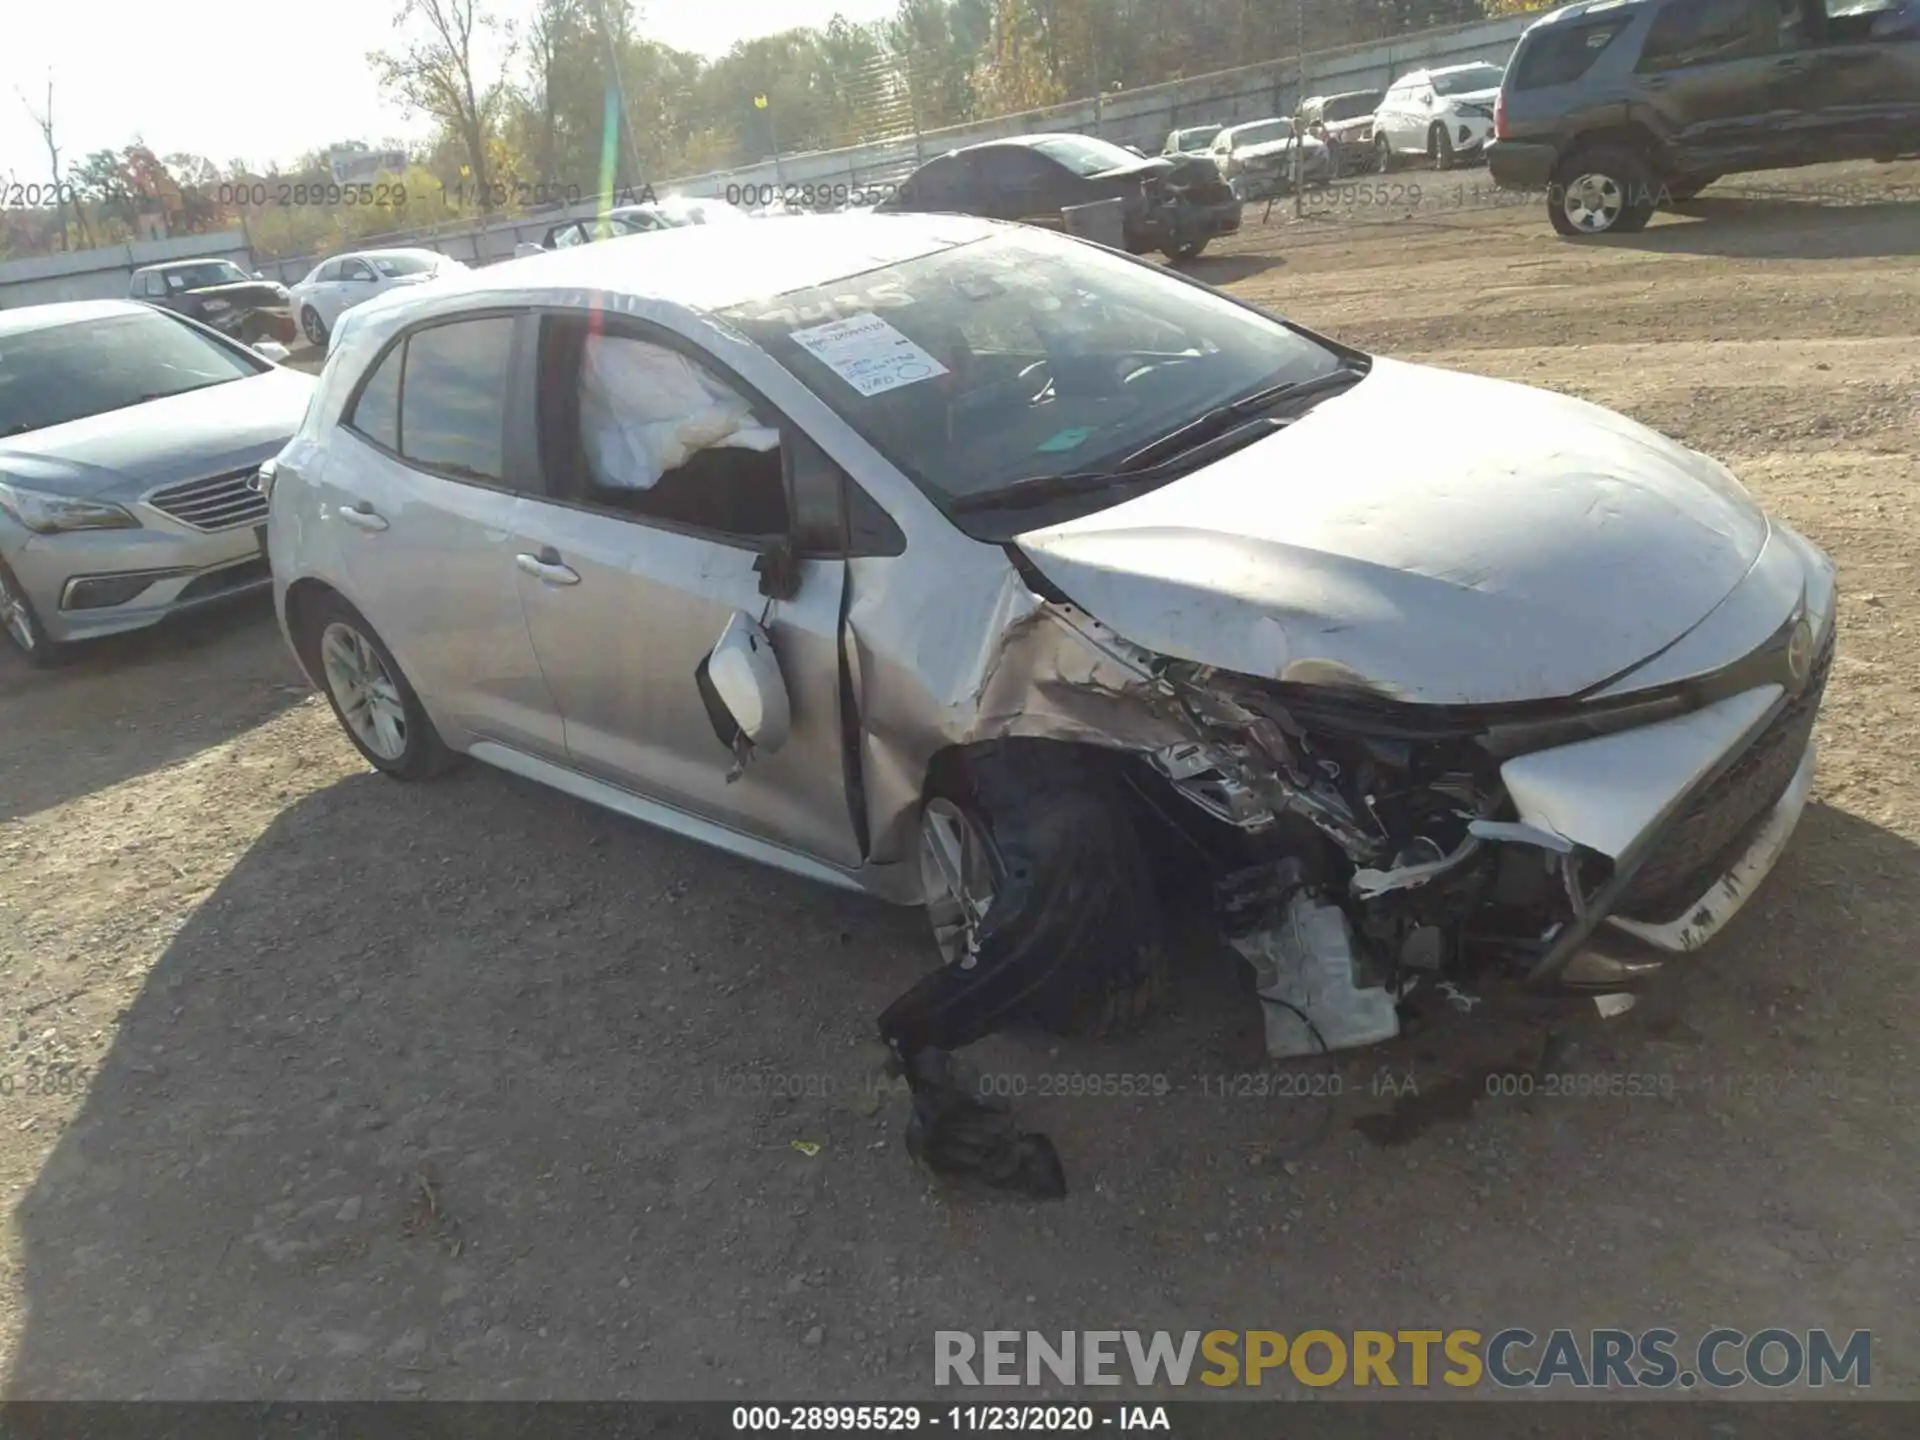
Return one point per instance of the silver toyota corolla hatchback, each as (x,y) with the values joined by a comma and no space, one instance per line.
(987,570)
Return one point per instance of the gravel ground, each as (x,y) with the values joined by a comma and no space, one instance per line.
(318,1086)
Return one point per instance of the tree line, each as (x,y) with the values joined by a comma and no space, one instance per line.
(573,97)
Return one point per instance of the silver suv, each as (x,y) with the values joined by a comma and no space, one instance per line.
(981,568)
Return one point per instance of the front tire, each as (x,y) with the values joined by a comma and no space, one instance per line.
(1440,148)
(1382,155)
(313,327)
(1605,191)
(1180,254)
(1038,838)
(21,626)
(370,696)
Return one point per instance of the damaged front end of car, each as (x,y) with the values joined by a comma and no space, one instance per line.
(1365,854)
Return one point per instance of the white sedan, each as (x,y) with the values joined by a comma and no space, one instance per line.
(335,286)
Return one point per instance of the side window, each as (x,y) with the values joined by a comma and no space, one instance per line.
(454,398)
(567,236)
(1560,56)
(156,287)
(938,183)
(376,414)
(329,271)
(637,428)
(1013,168)
(1701,32)
(355,270)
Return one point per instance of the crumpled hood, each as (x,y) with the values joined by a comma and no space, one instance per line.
(185,437)
(1433,536)
(1482,98)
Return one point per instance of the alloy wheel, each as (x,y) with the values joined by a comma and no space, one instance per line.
(310,323)
(369,700)
(1592,203)
(956,870)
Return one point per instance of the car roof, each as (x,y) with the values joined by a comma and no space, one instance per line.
(1250,124)
(703,269)
(65,312)
(1456,69)
(183,264)
(387,250)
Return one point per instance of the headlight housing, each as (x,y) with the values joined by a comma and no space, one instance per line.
(46,514)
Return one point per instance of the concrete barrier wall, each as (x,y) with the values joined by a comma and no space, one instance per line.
(103,273)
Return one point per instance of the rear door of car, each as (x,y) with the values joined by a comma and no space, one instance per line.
(1723,89)
(1862,84)
(430,498)
(626,591)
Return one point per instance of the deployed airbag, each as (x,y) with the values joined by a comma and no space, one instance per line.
(644,410)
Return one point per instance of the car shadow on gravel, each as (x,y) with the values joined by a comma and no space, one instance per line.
(130,704)
(1222,270)
(1761,226)
(467,1090)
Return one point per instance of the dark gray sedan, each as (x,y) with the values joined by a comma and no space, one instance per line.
(129,440)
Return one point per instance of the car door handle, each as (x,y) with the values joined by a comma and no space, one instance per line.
(548,567)
(363,516)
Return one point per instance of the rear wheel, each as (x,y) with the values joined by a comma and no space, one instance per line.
(1605,191)
(371,698)
(22,626)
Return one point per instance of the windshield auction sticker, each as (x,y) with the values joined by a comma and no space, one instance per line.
(868,353)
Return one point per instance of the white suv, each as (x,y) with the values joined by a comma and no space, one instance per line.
(1444,115)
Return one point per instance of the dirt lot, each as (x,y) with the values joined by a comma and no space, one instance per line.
(468,1090)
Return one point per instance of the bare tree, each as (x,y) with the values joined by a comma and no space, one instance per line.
(44,120)
(434,73)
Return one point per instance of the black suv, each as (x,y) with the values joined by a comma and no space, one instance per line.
(1616,106)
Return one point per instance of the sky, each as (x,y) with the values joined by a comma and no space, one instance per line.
(286,78)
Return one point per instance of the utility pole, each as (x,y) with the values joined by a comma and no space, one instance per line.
(1299,103)
(620,95)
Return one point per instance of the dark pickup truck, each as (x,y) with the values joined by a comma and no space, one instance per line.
(1615,107)
(220,294)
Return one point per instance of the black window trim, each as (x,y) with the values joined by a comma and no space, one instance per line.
(398,342)
(632,327)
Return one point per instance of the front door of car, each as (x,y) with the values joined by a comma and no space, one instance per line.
(428,494)
(1723,89)
(1862,81)
(357,283)
(628,590)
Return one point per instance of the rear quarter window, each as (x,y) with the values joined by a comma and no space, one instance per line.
(1563,55)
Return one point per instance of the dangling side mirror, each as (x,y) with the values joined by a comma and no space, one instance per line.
(744,694)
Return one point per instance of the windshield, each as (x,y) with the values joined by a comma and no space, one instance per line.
(1199,139)
(209,272)
(1083,154)
(1352,107)
(68,372)
(1465,82)
(401,264)
(1022,356)
(1263,133)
